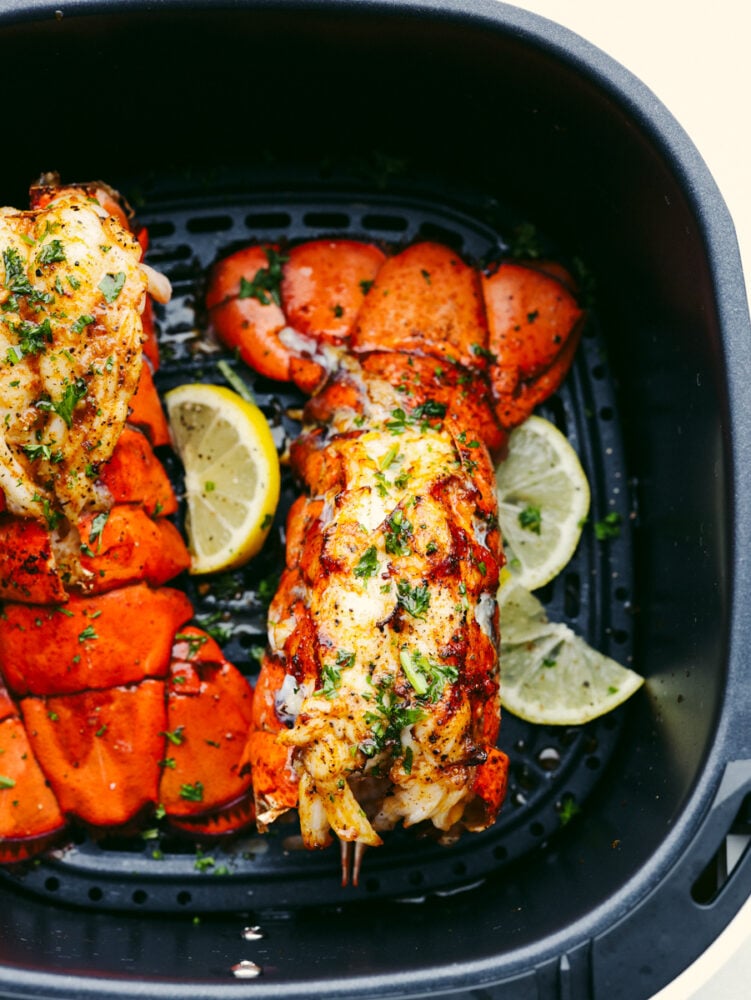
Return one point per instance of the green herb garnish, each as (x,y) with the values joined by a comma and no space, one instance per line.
(397,535)
(192,793)
(266,282)
(414,600)
(51,253)
(367,565)
(111,285)
(609,527)
(531,519)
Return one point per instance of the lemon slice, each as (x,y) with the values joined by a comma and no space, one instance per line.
(550,675)
(231,474)
(543,501)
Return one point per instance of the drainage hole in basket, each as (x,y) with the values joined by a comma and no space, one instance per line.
(385,223)
(526,778)
(268,220)
(416,878)
(536,829)
(326,220)
(459,868)
(735,846)
(549,759)
(372,885)
(607,413)
(209,224)
(166,255)
(140,896)
(158,230)
(52,884)
(500,853)
(593,763)
(95,894)
(184,898)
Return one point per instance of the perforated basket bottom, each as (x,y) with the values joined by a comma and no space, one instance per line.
(552,770)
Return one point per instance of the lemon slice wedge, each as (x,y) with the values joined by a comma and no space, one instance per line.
(543,501)
(231,474)
(550,675)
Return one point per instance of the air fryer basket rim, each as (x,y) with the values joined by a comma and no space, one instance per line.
(726,776)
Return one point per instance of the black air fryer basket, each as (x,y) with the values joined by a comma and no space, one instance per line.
(462,121)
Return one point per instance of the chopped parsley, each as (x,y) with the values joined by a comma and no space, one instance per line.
(97,526)
(43,451)
(268,587)
(331,673)
(420,416)
(389,458)
(390,717)
(33,337)
(52,517)
(111,285)
(426,677)
(569,809)
(399,421)
(88,633)
(192,793)
(16,279)
(482,352)
(398,534)
(431,408)
(609,527)
(367,565)
(73,393)
(175,737)
(381,484)
(195,642)
(414,600)
(211,624)
(531,518)
(6,782)
(266,282)
(82,322)
(51,253)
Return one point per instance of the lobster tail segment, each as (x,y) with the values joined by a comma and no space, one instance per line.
(425,301)
(534,326)
(30,817)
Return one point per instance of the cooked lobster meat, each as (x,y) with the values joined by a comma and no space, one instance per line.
(378,698)
(113,708)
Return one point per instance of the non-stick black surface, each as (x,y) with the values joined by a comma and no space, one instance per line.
(553,770)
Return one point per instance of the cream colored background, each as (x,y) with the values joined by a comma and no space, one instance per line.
(695,57)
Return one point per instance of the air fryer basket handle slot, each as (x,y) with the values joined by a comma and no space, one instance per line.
(630,952)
